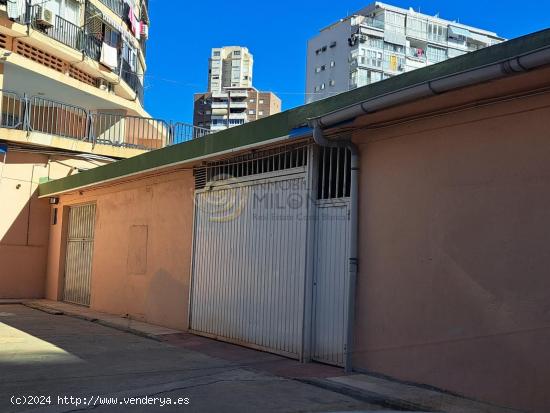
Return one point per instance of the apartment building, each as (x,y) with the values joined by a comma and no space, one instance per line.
(71,94)
(231,99)
(232,107)
(230,66)
(381,41)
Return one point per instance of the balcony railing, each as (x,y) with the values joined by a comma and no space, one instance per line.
(62,30)
(132,79)
(374,23)
(48,116)
(117,6)
(77,38)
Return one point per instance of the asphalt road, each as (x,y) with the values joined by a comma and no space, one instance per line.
(64,364)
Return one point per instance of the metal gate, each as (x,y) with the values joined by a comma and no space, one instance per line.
(249,262)
(330,281)
(80,244)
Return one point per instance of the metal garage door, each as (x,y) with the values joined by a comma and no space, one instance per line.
(330,281)
(80,245)
(249,263)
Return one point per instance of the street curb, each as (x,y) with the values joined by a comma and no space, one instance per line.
(367,396)
(103,323)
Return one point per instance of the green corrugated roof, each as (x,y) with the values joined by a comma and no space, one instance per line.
(282,124)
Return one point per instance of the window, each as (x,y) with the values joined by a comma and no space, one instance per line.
(66,9)
(417,27)
(111,36)
(374,76)
(252,100)
(129,54)
(216,53)
(261,113)
(324,49)
(394,47)
(374,58)
(237,53)
(316,89)
(323,67)
(317,69)
(251,112)
(322,86)
(437,32)
(261,102)
(332,45)
(376,43)
(332,63)
(208,112)
(332,83)
(436,54)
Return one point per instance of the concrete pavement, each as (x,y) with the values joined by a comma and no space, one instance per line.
(57,356)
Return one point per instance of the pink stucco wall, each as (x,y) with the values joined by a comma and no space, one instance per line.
(24,219)
(454,285)
(142,249)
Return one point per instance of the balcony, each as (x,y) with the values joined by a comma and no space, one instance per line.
(238,93)
(79,39)
(238,105)
(116,6)
(46,116)
(418,54)
(219,105)
(132,79)
(374,23)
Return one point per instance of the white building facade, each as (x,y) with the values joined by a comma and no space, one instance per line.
(381,41)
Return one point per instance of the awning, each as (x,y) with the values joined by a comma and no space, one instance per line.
(480,38)
(458,31)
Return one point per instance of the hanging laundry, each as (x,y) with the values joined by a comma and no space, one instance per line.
(134,23)
(109,56)
(15,9)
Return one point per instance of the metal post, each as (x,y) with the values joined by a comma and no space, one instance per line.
(26,114)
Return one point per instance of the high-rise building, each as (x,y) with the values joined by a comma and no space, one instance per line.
(230,67)
(231,99)
(381,41)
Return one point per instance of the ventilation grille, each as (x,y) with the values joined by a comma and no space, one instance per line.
(82,76)
(257,163)
(334,173)
(38,56)
(46,59)
(3,41)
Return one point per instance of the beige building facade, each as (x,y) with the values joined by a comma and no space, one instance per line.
(71,99)
(230,66)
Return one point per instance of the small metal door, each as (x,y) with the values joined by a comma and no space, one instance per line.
(80,245)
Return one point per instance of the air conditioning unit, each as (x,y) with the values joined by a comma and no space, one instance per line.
(44,16)
(145,31)
(103,84)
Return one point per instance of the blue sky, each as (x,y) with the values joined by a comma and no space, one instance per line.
(182,35)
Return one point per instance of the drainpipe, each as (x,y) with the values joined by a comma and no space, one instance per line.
(321,140)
